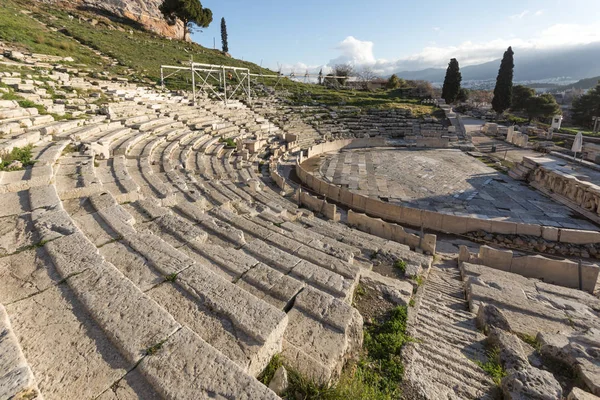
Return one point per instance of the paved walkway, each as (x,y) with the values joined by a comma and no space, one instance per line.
(447,181)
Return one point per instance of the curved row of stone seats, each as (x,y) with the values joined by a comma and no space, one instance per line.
(250,331)
(213,185)
(40,174)
(270,274)
(16,378)
(135,323)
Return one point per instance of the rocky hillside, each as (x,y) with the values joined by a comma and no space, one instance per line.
(144,12)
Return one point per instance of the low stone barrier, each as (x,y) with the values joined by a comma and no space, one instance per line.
(558,272)
(395,232)
(320,206)
(424,218)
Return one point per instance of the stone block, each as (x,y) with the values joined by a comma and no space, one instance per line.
(550,233)
(576,236)
(529,229)
(498,259)
(504,227)
(454,224)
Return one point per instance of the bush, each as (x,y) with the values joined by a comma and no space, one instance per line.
(23,155)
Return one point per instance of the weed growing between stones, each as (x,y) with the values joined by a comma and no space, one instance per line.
(171,277)
(228,142)
(266,376)
(492,366)
(69,149)
(530,340)
(400,265)
(18,155)
(155,348)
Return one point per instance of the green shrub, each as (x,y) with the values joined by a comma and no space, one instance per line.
(22,154)
(401,265)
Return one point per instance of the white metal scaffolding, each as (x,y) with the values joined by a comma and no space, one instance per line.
(228,80)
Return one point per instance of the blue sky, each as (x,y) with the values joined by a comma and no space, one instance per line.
(393,36)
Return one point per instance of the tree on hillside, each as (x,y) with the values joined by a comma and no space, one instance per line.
(543,106)
(394,82)
(586,107)
(463,95)
(520,97)
(190,12)
(504,83)
(422,89)
(451,82)
(366,75)
(224,36)
(343,71)
(481,96)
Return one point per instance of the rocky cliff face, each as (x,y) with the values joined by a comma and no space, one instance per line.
(144,12)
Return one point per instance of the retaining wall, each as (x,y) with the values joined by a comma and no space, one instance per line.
(424,218)
(558,272)
(391,231)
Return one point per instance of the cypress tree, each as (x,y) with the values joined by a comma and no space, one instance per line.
(452,82)
(224,36)
(504,83)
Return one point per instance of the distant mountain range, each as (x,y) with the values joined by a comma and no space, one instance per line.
(530,65)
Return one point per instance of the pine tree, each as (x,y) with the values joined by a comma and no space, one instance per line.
(451,82)
(224,36)
(187,11)
(504,83)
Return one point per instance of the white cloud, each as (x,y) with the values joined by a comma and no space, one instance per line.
(355,52)
(538,13)
(360,53)
(520,15)
(437,28)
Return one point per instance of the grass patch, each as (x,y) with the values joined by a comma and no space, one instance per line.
(267,375)
(418,279)
(400,265)
(22,154)
(492,366)
(376,376)
(155,348)
(530,340)
(229,142)
(70,148)
(171,277)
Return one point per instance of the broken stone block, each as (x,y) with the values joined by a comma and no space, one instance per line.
(512,355)
(279,383)
(531,384)
(490,316)
(578,394)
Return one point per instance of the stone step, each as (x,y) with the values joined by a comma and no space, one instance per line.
(186,365)
(322,332)
(16,378)
(132,321)
(254,317)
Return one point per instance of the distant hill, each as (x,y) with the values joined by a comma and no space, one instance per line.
(585,84)
(530,65)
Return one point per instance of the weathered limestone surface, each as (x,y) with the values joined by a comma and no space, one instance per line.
(16,378)
(187,366)
(579,350)
(130,319)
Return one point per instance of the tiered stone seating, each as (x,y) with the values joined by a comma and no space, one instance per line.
(169,266)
